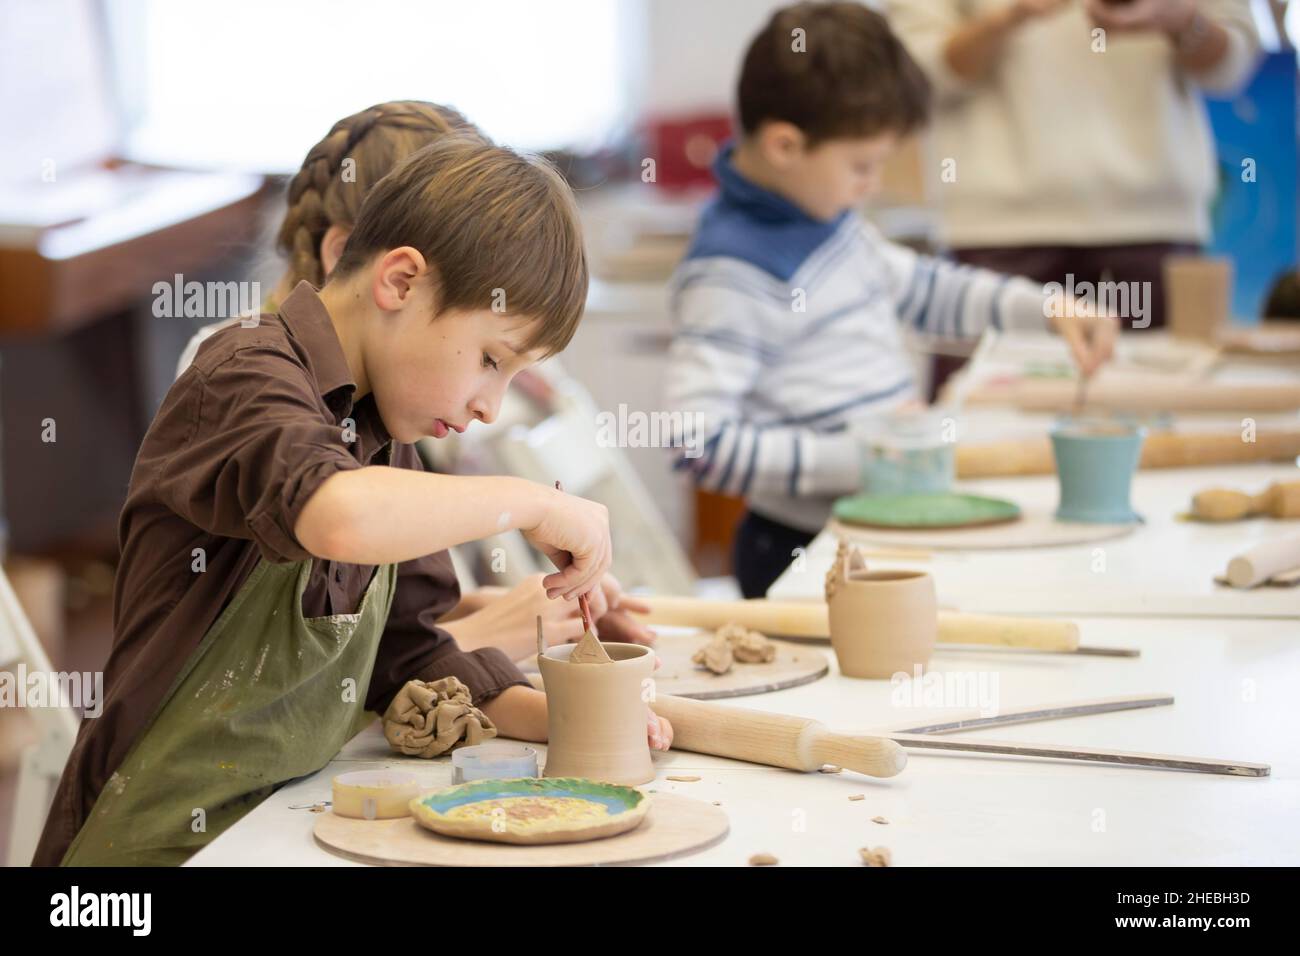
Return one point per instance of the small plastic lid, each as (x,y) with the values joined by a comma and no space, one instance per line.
(493,761)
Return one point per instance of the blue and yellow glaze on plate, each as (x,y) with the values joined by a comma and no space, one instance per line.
(532,810)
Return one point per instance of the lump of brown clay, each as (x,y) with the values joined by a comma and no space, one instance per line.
(715,655)
(880,856)
(749,647)
(428,718)
(763,859)
(731,643)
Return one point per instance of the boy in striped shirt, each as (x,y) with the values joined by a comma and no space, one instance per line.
(789,310)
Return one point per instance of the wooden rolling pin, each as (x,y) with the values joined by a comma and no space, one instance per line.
(1159,450)
(776,740)
(810,619)
(1141,396)
(1263,561)
(1280,500)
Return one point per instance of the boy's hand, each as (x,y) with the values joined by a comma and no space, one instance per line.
(1091,338)
(574,533)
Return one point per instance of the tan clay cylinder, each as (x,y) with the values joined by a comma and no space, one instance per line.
(596,715)
(775,740)
(1263,561)
(883,622)
(1160,450)
(809,619)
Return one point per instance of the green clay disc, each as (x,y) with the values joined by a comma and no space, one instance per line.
(946,510)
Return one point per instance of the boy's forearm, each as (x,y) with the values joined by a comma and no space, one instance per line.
(519,713)
(382,515)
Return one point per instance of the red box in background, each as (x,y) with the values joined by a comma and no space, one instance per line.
(684,148)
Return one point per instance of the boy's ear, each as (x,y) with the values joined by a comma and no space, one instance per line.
(781,143)
(395,276)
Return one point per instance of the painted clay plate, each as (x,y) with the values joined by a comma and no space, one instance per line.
(946,510)
(529,810)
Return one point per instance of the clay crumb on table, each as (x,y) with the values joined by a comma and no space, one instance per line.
(857,796)
(763,859)
(879,820)
(830,768)
(880,856)
(684,779)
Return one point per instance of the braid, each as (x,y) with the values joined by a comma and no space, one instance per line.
(319,198)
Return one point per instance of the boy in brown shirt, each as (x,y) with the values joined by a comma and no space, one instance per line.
(283,552)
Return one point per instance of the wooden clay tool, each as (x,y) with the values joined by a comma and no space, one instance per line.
(810,619)
(589,649)
(1280,500)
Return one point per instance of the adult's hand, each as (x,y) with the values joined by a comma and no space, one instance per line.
(1168,16)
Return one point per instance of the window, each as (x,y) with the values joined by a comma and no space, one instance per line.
(252,85)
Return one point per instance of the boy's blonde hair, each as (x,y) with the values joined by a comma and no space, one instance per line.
(499,231)
(325,192)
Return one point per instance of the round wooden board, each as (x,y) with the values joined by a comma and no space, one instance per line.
(1035,529)
(674,826)
(795,664)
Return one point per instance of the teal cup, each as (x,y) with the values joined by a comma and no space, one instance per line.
(1095,466)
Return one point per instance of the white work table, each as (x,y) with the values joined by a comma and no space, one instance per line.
(1234,684)
(1164,567)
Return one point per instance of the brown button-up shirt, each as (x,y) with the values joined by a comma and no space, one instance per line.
(244,437)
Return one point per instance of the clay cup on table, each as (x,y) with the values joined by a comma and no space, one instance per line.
(881,622)
(596,715)
(1095,463)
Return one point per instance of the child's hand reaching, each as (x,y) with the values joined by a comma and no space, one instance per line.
(658,730)
(1091,338)
(612,611)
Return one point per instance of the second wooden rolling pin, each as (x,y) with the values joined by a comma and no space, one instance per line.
(1159,450)
(809,619)
(776,740)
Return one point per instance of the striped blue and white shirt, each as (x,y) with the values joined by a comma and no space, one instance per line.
(786,329)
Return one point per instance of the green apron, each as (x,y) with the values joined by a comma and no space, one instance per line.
(268,696)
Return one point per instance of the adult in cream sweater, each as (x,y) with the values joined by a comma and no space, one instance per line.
(1069,135)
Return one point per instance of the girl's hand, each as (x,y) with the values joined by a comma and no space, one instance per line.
(1091,338)
(610,609)
(516,611)
(658,731)
(574,533)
